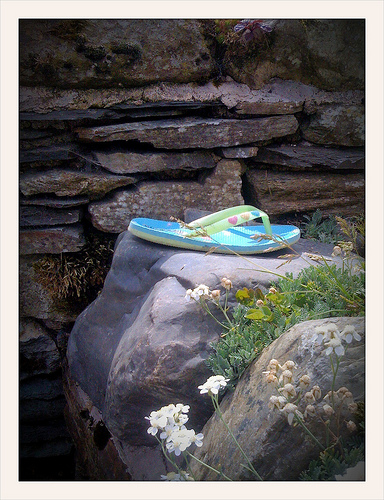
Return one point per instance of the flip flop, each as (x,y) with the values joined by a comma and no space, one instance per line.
(218,232)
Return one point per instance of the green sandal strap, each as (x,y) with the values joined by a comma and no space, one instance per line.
(230,217)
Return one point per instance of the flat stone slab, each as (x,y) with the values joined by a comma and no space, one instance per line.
(308,156)
(165,199)
(240,152)
(194,132)
(129,162)
(55,239)
(47,216)
(52,201)
(284,192)
(231,94)
(71,183)
(116,112)
(337,125)
(47,154)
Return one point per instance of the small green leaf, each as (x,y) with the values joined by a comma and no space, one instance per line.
(254,314)
(266,310)
(245,296)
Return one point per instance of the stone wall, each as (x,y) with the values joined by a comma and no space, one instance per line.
(128,118)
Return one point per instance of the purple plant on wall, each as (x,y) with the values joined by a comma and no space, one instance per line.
(252,28)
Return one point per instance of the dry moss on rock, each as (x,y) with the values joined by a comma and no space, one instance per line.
(77,278)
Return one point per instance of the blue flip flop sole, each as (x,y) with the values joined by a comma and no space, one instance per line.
(240,239)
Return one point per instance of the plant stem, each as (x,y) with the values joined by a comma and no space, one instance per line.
(167,455)
(309,432)
(187,462)
(209,467)
(206,308)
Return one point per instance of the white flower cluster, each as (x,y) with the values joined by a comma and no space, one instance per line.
(200,292)
(291,393)
(203,292)
(170,421)
(213,385)
(332,338)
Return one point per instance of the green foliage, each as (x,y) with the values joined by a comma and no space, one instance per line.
(332,463)
(224,30)
(318,228)
(318,292)
(354,230)
(238,347)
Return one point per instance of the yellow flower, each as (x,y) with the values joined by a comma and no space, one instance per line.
(271,378)
(288,391)
(328,410)
(289,365)
(310,411)
(276,402)
(291,410)
(309,397)
(304,381)
(336,251)
(351,426)
(226,283)
(273,365)
(352,407)
(316,391)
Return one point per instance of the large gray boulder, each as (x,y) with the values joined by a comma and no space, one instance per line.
(278,451)
(140,345)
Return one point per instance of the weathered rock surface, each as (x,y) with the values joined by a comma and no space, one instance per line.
(277,95)
(135,346)
(71,183)
(128,162)
(308,156)
(194,132)
(47,216)
(38,352)
(278,451)
(159,357)
(240,152)
(337,126)
(56,239)
(97,456)
(326,53)
(48,154)
(105,52)
(52,201)
(35,301)
(283,192)
(163,199)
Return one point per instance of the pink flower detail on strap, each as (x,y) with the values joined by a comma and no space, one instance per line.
(232,220)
